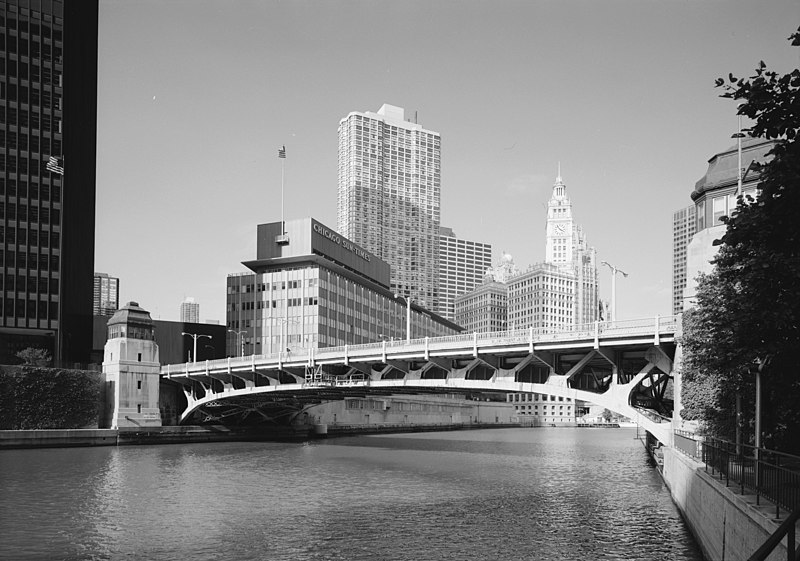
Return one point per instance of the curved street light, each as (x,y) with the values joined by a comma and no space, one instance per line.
(195,336)
(241,339)
(614,271)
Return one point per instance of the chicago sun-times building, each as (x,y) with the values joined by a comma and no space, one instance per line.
(309,287)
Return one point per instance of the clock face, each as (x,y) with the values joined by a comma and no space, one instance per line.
(559,229)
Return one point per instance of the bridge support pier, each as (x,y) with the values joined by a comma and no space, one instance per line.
(131,370)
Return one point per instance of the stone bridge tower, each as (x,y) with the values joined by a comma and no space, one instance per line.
(132,370)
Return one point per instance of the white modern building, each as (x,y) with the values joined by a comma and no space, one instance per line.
(106,295)
(389,191)
(190,311)
(684,222)
(462,266)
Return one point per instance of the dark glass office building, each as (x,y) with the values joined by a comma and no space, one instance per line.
(48,108)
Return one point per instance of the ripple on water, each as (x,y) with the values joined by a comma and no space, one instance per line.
(494,494)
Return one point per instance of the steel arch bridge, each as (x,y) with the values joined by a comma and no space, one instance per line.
(624,366)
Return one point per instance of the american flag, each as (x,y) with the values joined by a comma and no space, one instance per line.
(56,165)
(282,152)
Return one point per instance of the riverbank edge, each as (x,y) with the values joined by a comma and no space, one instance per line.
(727,525)
(67,438)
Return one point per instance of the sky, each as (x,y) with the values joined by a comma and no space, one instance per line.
(196,96)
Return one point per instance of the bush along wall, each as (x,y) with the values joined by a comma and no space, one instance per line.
(35,397)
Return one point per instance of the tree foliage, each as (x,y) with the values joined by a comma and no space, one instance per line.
(748,309)
(34,356)
(48,398)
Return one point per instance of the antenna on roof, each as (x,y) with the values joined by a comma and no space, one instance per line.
(415,118)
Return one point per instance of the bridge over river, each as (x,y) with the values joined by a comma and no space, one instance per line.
(624,366)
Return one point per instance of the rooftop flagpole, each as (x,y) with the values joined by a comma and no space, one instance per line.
(282,156)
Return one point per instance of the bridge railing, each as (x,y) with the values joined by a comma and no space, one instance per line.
(601,330)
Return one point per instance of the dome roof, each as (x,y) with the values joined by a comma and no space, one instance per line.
(722,167)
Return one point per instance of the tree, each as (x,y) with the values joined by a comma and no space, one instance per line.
(748,310)
(34,356)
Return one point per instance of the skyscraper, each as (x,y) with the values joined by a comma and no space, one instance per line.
(190,311)
(389,197)
(684,223)
(48,127)
(462,266)
(106,295)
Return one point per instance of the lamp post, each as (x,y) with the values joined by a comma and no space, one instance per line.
(614,271)
(241,339)
(285,322)
(195,336)
(738,136)
(408,316)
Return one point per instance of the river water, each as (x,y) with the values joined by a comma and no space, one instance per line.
(504,494)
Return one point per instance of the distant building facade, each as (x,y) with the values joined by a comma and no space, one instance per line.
(462,266)
(190,311)
(544,410)
(318,290)
(48,68)
(714,196)
(684,222)
(106,295)
(389,192)
(483,309)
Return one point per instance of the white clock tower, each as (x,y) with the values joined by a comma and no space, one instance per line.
(560,229)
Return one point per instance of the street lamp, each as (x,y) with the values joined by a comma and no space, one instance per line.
(408,315)
(614,272)
(195,336)
(285,322)
(241,339)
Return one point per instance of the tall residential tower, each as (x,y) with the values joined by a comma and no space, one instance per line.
(389,197)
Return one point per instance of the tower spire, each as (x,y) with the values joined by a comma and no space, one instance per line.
(558,179)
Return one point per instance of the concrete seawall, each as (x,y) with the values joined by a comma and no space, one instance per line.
(62,438)
(727,525)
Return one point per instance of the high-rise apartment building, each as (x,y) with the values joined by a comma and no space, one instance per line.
(190,311)
(389,197)
(48,137)
(684,222)
(462,266)
(106,295)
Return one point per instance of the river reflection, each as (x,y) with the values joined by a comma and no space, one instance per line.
(545,493)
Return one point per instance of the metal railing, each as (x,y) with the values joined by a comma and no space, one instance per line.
(772,475)
(786,529)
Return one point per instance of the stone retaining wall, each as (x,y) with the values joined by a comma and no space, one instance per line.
(727,525)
